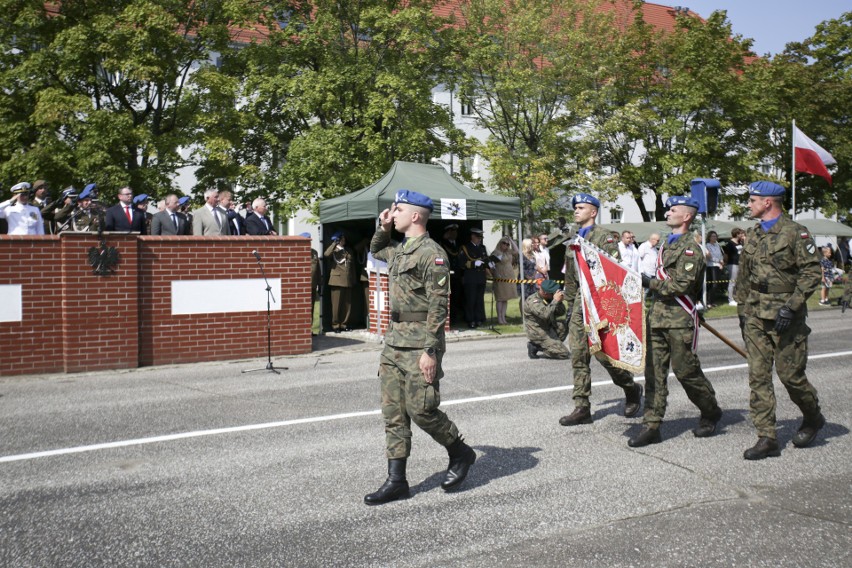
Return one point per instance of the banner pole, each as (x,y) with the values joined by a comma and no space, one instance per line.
(793,168)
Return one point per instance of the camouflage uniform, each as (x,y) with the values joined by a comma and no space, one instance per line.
(545,325)
(670,332)
(578,339)
(73,218)
(420,284)
(777,267)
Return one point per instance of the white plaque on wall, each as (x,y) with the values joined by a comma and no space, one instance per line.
(223,296)
(11,302)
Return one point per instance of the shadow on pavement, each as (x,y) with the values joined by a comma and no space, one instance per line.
(492,462)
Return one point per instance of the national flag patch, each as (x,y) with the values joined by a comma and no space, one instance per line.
(610,240)
(439,262)
(689,252)
(804,235)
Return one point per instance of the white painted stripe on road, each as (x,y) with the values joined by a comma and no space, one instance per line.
(330,418)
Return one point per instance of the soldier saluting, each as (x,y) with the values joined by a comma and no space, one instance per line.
(410,364)
(779,270)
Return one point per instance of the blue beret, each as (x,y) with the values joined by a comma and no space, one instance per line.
(91,187)
(550,286)
(585,198)
(766,189)
(86,193)
(682,200)
(140,198)
(413,198)
(305,235)
(183,200)
(20,187)
(337,236)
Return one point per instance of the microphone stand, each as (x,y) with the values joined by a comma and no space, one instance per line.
(269,298)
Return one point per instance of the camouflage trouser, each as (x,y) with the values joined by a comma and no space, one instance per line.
(674,346)
(581,357)
(847,291)
(789,351)
(406,397)
(552,342)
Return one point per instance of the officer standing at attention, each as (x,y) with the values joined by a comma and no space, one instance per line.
(779,270)
(672,328)
(585,212)
(410,364)
(544,322)
(473,260)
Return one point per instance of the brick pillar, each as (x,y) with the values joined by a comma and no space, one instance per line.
(100,314)
(382,311)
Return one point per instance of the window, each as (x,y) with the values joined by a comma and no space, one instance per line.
(466,105)
(615,215)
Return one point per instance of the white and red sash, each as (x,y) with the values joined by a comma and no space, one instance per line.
(685,301)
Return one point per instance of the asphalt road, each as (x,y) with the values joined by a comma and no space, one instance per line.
(202,465)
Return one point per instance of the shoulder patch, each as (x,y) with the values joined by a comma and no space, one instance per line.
(804,235)
(688,266)
(689,252)
(811,248)
(439,261)
(610,239)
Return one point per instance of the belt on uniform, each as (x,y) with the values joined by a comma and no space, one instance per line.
(397,317)
(766,288)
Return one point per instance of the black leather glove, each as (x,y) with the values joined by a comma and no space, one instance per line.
(783,319)
(646,281)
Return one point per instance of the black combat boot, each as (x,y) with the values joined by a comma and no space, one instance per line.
(764,448)
(395,487)
(633,402)
(808,430)
(581,415)
(707,424)
(645,437)
(462,457)
(532,350)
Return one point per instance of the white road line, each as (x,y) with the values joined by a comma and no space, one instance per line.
(329,418)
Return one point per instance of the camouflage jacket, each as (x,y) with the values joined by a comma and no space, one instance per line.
(777,268)
(73,218)
(602,239)
(419,288)
(540,316)
(683,261)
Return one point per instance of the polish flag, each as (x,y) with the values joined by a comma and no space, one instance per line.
(811,158)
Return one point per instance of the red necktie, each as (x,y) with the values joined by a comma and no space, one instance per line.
(129,216)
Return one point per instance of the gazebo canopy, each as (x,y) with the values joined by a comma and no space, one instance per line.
(427,179)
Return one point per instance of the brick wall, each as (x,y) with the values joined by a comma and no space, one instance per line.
(73,320)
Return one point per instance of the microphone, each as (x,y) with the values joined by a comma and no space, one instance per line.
(256,255)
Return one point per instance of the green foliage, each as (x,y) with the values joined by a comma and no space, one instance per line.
(101,91)
(335,94)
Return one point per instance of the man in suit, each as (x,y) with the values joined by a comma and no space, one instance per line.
(473,259)
(257,223)
(171,221)
(210,220)
(124,216)
(236,223)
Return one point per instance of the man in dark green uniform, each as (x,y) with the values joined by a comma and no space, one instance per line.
(672,328)
(544,322)
(585,213)
(410,366)
(779,270)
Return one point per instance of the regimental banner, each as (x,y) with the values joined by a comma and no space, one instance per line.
(454,209)
(613,307)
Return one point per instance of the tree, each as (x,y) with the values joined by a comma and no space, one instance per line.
(103,91)
(666,109)
(335,93)
(523,68)
(810,82)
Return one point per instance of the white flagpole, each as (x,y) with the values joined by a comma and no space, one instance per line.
(793,169)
